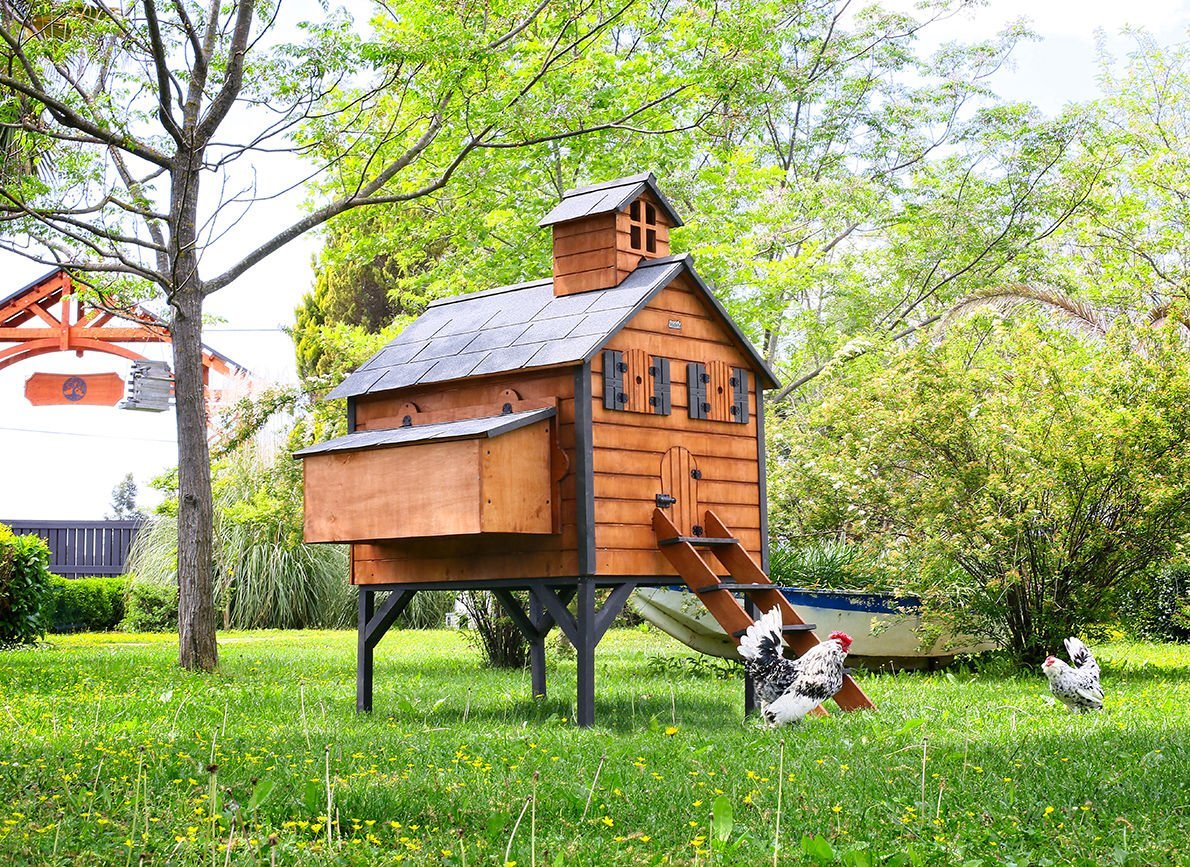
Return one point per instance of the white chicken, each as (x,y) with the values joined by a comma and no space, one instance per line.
(1077,685)
(788,689)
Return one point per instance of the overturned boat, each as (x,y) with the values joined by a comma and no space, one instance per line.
(886,629)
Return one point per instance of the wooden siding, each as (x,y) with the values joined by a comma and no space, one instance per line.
(629,448)
(490,555)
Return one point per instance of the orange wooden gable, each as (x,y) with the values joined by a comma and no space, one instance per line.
(48,316)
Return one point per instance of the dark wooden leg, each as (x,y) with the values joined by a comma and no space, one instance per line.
(585,650)
(751,706)
(363,672)
(372,626)
(537,648)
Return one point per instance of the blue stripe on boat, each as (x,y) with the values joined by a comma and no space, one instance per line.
(843,600)
(877,603)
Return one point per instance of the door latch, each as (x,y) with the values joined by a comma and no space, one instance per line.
(664,501)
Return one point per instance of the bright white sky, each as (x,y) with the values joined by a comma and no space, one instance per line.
(62,462)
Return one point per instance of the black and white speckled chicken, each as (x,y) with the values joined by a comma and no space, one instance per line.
(788,689)
(1076,685)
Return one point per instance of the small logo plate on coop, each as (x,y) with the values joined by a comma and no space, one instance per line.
(675,324)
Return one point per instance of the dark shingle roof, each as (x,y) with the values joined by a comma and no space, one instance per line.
(519,327)
(469,428)
(609,196)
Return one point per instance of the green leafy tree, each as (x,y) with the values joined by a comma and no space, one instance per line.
(135,108)
(1053,469)
(123,505)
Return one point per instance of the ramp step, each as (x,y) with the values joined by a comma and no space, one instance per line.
(698,541)
(788,627)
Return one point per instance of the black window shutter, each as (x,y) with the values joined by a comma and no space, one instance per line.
(739,395)
(659,370)
(696,389)
(613,380)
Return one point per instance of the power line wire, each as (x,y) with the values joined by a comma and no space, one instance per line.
(67,433)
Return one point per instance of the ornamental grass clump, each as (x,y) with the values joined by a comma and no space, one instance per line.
(265,576)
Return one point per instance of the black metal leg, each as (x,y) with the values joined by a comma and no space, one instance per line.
(363,672)
(585,650)
(537,648)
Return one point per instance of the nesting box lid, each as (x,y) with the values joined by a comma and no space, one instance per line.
(522,327)
(468,428)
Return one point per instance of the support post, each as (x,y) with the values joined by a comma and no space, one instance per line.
(365,653)
(585,650)
(537,647)
(372,626)
(751,706)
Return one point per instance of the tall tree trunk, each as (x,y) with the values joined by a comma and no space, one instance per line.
(196,602)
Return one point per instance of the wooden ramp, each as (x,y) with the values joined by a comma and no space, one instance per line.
(684,552)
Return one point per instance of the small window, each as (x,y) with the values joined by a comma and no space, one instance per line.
(642,233)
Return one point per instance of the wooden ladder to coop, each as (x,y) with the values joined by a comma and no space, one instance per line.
(684,553)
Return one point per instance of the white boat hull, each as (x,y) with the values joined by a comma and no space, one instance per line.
(886,630)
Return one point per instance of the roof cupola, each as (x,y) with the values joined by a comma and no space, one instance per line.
(602,232)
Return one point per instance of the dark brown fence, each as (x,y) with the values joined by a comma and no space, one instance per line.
(80,548)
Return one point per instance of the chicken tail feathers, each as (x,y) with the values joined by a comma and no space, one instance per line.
(1080,656)
(762,642)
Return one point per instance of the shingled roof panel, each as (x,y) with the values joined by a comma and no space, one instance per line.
(391,355)
(496,338)
(513,328)
(453,367)
(510,358)
(549,329)
(561,351)
(402,375)
(450,343)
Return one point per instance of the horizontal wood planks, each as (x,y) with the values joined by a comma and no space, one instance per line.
(488,555)
(585,255)
(630,448)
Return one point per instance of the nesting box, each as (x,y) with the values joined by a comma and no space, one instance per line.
(530,431)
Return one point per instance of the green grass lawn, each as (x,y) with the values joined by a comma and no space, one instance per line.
(110,755)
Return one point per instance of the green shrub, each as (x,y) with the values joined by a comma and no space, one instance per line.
(150,607)
(1160,607)
(24,587)
(86,604)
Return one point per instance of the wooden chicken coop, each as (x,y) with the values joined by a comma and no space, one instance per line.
(598,430)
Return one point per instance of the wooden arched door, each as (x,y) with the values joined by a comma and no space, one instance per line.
(679,480)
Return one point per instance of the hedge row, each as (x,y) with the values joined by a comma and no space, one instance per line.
(86,604)
(24,588)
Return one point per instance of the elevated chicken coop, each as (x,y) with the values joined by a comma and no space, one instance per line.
(602,429)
